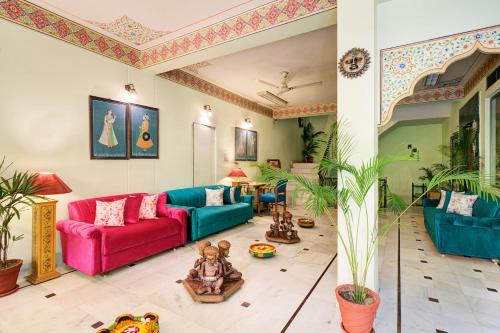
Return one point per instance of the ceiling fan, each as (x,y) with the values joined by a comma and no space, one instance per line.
(284,87)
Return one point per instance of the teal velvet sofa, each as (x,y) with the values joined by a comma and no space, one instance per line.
(202,220)
(475,236)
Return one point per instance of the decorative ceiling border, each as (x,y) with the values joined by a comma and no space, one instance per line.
(262,18)
(482,71)
(401,67)
(198,84)
(250,22)
(44,21)
(304,110)
(434,95)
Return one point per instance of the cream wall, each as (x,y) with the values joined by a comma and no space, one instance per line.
(44,89)
(394,142)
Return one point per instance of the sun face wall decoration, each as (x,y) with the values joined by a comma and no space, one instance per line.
(354,63)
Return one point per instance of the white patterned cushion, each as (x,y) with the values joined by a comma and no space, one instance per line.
(148,207)
(214,197)
(110,213)
(461,204)
(232,197)
(442,200)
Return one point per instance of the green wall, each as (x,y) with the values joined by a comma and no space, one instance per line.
(426,137)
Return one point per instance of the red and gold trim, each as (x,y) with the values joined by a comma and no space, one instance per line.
(262,18)
(434,95)
(481,73)
(304,110)
(194,82)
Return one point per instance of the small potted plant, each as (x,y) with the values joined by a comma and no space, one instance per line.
(429,173)
(358,304)
(312,141)
(17,192)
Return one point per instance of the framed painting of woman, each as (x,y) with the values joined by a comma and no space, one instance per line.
(251,145)
(240,144)
(108,129)
(144,131)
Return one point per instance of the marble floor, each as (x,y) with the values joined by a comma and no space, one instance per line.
(291,292)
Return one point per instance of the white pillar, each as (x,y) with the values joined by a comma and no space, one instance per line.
(356,106)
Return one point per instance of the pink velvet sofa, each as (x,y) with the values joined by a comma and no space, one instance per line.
(96,249)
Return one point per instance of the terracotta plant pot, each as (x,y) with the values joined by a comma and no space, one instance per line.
(357,318)
(8,277)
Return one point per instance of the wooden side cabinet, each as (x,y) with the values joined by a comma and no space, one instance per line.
(43,260)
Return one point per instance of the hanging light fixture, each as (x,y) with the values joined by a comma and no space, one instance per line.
(132,93)
(208,110)
(248,123)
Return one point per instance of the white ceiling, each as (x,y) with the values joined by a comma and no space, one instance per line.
(458,73)
(173,18)
(308,57)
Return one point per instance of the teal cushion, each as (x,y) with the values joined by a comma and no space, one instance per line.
(485,208)
(270,197)
(191,196)
(213,219)
(227,194)
(465,221)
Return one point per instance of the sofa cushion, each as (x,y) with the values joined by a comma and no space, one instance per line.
(84,210)
(116,239)
(485,208)
(464,221)
(270,197)
(212,219)
(161,205)
(227,194)
(110,213)
(214,197)
(461,204)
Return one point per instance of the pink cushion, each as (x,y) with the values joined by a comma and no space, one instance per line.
(115,239)
(161,208)
(132,207)
(84,210)
(110,213)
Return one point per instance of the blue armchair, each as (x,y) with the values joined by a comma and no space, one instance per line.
(276,198)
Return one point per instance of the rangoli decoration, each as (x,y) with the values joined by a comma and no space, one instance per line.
(130,30)
(403,66)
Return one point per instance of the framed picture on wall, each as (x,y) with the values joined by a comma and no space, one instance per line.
(240,144)
(144,131)
(108,129)
(251,145)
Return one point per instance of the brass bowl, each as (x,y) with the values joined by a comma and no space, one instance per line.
(305,222)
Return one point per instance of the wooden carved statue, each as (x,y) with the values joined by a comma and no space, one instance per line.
(282,231)
(212,278)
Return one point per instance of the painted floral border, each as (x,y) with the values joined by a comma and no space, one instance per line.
(304,110)
(262,18)
(434,95)
(402,67)
(196,83)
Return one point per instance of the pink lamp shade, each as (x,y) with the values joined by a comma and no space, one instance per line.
(50,183)
(237,173)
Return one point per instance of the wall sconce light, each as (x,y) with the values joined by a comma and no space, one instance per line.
(414,153)
(248,123)
(132,93)
(208,110)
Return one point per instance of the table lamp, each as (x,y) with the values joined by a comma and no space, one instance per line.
(43,262)
(236,174)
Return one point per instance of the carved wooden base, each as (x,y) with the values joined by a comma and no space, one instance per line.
(34,279)
(282,240)
(228,288)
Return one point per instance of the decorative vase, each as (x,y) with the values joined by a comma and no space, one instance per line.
(357,318)
(8,277)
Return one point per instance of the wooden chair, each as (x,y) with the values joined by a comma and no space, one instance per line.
(277,197)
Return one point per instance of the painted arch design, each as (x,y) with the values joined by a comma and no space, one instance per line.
(402,67)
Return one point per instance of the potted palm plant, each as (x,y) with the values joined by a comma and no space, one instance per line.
(429,173)
(358,304)
(312,142)
(17,192)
